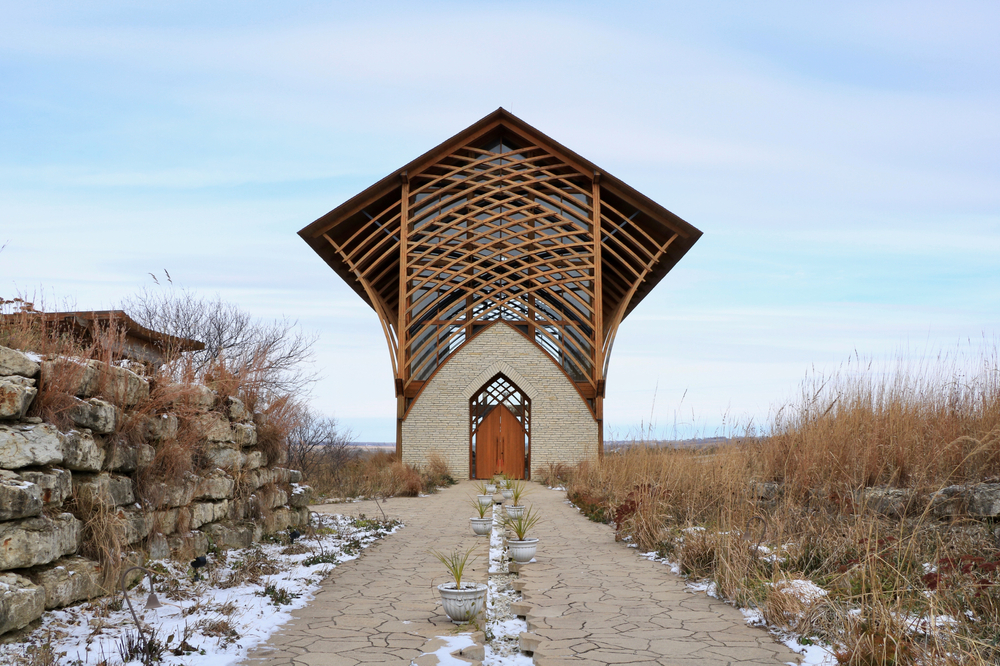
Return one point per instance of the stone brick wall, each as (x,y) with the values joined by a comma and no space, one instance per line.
(51,476)
(562,427)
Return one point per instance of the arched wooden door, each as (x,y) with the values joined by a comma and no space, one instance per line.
(500,431)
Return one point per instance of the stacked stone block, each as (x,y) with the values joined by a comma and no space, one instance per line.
(232,502)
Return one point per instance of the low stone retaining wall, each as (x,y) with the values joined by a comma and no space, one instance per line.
(50,477)
(977,501)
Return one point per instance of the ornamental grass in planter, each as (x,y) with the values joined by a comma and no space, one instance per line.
(517,489)
(522,549)
(484,497)
(462,601)
(481,525)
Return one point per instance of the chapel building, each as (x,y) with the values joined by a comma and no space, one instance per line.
(500,265)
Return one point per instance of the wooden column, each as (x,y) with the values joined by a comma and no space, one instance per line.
(402,339)
(598,314)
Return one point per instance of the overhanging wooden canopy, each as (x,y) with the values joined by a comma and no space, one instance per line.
(498,222)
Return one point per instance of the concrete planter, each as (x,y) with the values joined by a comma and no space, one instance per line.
(463,605)
(482,526)
(485,500)
(522,551)
(507,493)
(515,511)
(491,488)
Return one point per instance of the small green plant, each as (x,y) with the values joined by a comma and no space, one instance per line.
(279,595)
(522,523)
(325,558)
(518,490)
(481,487)
(455,562)
(479,507)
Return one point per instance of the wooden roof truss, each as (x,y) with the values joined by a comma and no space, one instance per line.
(501,223)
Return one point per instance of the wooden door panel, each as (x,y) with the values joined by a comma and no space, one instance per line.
(511,454)
(487,440)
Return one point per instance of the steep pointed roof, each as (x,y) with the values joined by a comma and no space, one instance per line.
(652,217)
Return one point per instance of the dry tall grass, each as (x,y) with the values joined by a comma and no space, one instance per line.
(374,474)
(787,506)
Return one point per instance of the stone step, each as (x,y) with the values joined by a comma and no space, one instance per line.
(520,608)
(528,642)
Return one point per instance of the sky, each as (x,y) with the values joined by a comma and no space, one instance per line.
(842,160)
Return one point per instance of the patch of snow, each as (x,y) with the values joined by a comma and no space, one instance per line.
(812,655)
(220,624)
(451,644)
(802,589)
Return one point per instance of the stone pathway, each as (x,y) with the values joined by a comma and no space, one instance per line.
(592,601)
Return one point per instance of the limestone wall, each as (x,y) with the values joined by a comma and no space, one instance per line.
(53,478)
(562,427)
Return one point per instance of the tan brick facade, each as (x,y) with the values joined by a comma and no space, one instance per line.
(563,429)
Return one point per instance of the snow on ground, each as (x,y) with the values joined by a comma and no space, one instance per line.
(240,598)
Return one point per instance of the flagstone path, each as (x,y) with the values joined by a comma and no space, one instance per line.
(592,601)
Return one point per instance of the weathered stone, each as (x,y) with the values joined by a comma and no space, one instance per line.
(294,476)
(157,547)
(223,456)
(272,496)
(280,519)
(233,535)
(15,398)
(203,513)
(127,387)
(893,502)
(24,445)
(145,455)
(280,456)
(165,522)
(123,457)
(301,496)
(56,484)
(68,580)
(94,377)
(247,508)
(20,381)
(18,498)
(216,485)
(253,460)
(256,478)
(188,545)
(13,362)
(138,524)
(161,427)
(213,427)
(81,452)
(176,493)
(21,602)
(195,396)
(72,377)
(244,434)
(949,501)
(100,416)
(237,411)
(284,475)
(984,500)
(38,540)
(103,488)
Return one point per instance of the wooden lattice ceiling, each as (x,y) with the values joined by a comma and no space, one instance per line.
(497,223)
